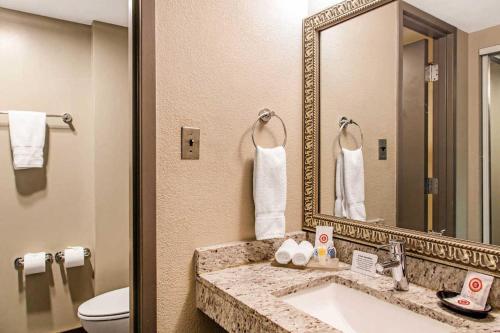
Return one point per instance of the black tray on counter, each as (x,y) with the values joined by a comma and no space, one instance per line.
(444,294)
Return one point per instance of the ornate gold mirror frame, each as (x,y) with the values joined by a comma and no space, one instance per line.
(445,250)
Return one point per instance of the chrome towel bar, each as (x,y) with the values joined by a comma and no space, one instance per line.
(66,117)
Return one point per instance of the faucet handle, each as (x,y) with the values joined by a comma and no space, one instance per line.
(393,245)
(383,266)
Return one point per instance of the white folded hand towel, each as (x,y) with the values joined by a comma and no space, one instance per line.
(304,253)
(286,251)
(354,184)
(269,192)
(27,138)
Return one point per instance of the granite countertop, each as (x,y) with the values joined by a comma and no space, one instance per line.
(242,293)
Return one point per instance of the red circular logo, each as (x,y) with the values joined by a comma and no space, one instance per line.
(323,238)
(463,302)
(475,284)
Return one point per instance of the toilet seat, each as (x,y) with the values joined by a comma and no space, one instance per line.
(112,305)
(103,318)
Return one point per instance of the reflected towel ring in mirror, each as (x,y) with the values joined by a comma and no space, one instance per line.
(264,116)
(343,123)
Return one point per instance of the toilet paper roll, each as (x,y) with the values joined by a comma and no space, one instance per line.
(74,256)
(34,263)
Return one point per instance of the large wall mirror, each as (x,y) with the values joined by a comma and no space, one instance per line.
(401,105)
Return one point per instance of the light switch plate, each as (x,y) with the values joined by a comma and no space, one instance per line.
(190,143)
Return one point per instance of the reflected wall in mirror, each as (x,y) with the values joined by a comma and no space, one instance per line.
(421,78)
(358,67)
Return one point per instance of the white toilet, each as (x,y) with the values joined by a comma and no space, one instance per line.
(106,313)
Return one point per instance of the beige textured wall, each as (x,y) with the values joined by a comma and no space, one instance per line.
(218,64)
(46,66)
(111,91)
(477,41)
(359,81)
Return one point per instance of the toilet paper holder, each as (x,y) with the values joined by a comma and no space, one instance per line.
(19,261)
(60,255)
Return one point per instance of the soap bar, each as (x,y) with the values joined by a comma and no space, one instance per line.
(476,288)
(323,236)
(464,303)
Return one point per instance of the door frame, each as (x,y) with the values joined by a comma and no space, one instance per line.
(444,123)
(485,141)
(143,222)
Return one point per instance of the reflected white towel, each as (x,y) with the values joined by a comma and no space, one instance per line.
(350,185)
(286,251)
(269,192)
(340,210)
(27,138)
(354,184)
(304,253)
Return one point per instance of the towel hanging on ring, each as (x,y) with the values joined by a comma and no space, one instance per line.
(350,179)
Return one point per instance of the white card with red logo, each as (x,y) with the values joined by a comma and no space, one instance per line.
(476,289)
(324,236)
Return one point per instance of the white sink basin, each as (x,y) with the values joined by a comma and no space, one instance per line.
(353,311)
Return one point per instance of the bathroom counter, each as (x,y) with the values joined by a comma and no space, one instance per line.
(241,292)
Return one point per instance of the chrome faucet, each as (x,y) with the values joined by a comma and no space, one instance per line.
(396,263)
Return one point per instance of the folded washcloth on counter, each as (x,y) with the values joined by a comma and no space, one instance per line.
(303,254)
(286,251)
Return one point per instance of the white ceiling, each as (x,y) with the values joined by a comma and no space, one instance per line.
(467,15)
(80,11)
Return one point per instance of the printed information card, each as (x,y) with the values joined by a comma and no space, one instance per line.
(364,263)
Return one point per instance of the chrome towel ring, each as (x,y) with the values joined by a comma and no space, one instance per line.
(343,123)
(264,116)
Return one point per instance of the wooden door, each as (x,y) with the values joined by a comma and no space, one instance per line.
(412,137)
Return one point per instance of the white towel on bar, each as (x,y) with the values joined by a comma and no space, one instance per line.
(269,192)
(27,138)
(354,184)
